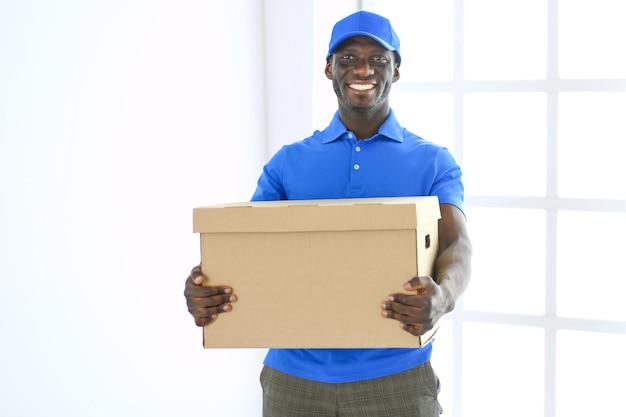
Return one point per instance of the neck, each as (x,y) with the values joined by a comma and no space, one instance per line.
(364,123)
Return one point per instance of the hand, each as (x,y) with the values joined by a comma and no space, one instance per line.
(420,311)
(206,302)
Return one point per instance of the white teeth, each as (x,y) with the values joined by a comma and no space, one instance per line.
(362,87)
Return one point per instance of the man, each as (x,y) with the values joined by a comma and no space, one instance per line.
(364,152)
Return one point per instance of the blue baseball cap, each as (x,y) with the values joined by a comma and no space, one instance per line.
(365,24)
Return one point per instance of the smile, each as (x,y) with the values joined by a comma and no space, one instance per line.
(361,87)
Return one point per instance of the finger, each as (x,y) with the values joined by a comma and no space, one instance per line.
(406,323)
(414,329)
(407,314)
(195,291)
(403,318)
(213,301)
(221,300)
(418,284)
(205,321)
(412,300)
(206,315)
(411,310)
(196,275)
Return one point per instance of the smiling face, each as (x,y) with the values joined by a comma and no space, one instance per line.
(362,72)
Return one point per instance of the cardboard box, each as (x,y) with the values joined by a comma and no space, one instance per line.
(313,274)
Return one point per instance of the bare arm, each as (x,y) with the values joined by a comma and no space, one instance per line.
(453,265)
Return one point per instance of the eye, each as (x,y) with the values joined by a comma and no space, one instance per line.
(346,58)
(380,59)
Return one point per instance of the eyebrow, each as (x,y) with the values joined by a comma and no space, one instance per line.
(345,49)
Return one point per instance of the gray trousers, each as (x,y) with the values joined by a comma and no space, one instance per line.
(408,394)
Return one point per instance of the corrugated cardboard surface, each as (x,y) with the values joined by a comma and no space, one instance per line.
(312,274)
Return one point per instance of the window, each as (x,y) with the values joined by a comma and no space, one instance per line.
(530,97)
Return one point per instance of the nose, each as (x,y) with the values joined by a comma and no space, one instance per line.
(362,68)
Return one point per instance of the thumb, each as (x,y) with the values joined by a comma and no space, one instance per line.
(196,275)
(418,284)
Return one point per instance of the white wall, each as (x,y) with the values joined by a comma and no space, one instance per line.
(288,28)
(117,118)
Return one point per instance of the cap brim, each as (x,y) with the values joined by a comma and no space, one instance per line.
(347,36)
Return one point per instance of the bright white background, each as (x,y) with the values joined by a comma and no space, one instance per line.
(117,118)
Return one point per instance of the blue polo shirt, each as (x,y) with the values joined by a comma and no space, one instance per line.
(334,164)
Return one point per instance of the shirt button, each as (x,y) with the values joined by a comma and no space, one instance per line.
(350,135)
(357,166)
(358,149)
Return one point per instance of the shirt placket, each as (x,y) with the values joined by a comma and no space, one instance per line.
(357,167)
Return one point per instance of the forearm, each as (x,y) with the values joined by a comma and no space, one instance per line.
(453,265)
(453,270)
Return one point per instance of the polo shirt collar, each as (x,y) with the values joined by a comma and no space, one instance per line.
(390,129)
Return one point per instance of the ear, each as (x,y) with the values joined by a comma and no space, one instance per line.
(396,72)
(328,70)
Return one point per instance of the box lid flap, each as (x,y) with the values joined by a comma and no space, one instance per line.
(390,213)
